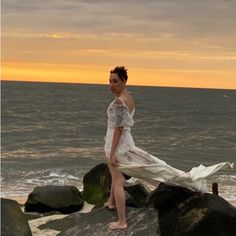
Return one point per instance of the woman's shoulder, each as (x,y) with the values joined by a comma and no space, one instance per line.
(126,96)
(128,100)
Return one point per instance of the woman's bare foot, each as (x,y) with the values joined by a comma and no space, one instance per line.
(117,225)
(109,205)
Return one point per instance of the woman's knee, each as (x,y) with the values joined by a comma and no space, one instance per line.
(111,168)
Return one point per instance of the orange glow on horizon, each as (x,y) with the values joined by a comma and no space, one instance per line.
(64,73)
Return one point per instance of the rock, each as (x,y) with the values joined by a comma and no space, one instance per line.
(33,215)
(141,221)
(129,201)
(37,215)
(205,215)
(138,194)
(97,184)
(166,197)
(183,212)
(64,199)
(13,220)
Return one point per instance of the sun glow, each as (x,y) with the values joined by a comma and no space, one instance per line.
(43,72)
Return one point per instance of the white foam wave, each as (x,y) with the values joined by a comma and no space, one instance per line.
(27,181)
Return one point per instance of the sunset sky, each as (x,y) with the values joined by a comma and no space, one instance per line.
(180,43)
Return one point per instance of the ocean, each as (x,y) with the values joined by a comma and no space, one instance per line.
(53,133)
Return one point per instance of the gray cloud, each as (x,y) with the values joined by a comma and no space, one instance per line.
(177,34)
(182,18)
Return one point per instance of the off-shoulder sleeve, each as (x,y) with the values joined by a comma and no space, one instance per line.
(122,117)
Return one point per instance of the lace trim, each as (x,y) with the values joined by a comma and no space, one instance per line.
(120,149)
(119,116)
(125,144)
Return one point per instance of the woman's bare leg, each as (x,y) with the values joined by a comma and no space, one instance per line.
(119,194)
(112,197)
(111,200)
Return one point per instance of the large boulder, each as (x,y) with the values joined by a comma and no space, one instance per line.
(138,195)
(13,220)
(97,185)
(141,221)
(166,197)
(183,212)
(64,199)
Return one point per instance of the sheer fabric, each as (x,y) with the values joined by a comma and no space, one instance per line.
(144,167)
(150,171)
(119,116)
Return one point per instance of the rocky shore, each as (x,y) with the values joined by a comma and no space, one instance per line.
(167,211)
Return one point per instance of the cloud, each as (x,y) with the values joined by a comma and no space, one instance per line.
(150,33)
(154,18)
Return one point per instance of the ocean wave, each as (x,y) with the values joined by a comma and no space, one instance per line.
(26,181)
(22,153)
(92,152)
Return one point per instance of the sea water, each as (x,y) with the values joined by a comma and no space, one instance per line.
(53,133)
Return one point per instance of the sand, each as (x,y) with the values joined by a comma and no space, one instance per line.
(34,224)
(20,199)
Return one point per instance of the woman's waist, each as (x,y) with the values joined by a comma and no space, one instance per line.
(126,133)
(125,138)
(111,129)
(123,146)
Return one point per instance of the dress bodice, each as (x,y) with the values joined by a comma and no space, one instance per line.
(118,115)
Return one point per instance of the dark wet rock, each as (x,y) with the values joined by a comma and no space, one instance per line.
(64,199)
(97,187)
(33,215)
(138,195)
(166,197)
(36,215)
(13,220)
(205,215)
(129,201)
(97,184)
(186,213)
(141,221)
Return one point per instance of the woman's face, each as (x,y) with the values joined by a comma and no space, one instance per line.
(116,84)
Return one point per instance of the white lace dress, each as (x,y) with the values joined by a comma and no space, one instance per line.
(144,167)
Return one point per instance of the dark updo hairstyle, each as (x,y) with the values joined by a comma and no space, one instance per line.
(121,71)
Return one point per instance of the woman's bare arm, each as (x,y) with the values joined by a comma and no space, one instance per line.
(115,140)
(116,136)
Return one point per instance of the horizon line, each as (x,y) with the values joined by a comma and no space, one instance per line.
(134,85)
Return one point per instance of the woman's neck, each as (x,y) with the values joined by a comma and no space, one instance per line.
(121,92)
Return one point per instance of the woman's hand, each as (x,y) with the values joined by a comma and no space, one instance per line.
(113,160)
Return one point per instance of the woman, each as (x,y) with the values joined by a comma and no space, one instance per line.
(124,156)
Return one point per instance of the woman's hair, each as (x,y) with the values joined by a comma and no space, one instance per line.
(121,71)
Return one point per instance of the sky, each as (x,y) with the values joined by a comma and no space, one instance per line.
(179,43)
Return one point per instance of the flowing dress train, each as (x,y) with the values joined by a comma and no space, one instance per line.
(144,167)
